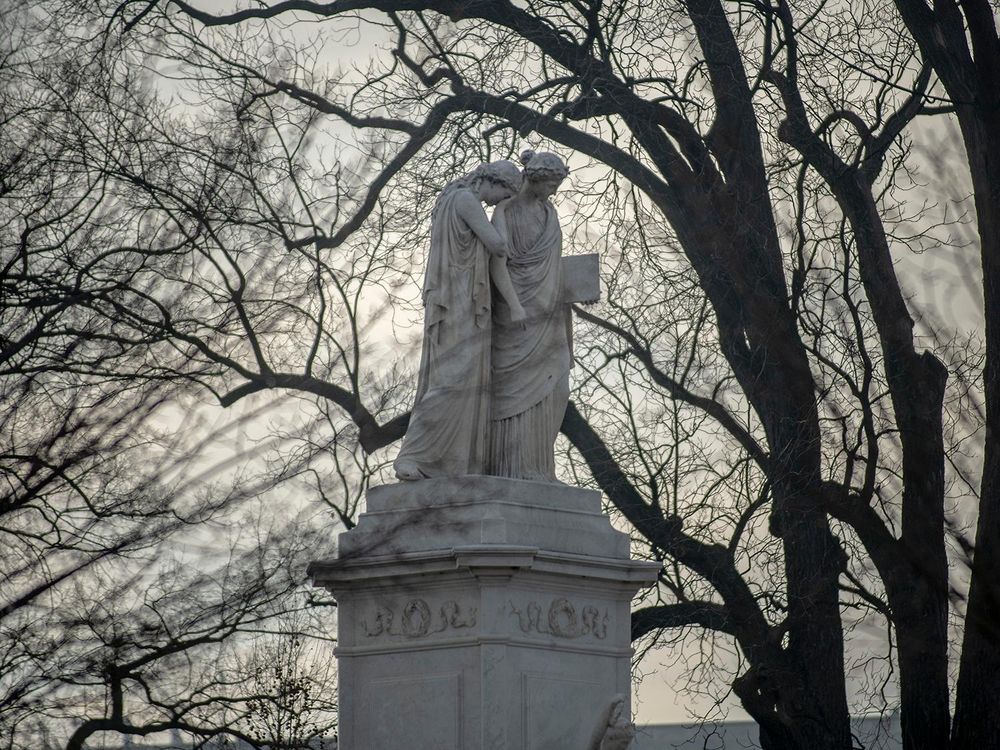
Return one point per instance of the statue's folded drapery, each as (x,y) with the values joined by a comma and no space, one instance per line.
(531,360)
(447,435)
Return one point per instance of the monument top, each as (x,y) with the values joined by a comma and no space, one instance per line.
(494,376)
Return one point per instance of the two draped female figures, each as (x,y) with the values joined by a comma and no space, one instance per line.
(494,371)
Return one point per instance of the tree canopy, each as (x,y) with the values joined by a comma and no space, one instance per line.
(216,209)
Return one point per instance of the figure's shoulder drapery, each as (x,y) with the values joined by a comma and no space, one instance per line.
(454,247)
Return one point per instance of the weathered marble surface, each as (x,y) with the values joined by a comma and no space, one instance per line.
(506,629)
(450,511)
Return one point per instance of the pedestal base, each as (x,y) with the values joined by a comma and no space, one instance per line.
(493,644)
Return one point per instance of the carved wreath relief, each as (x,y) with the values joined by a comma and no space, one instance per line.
(562,620)
(416,619)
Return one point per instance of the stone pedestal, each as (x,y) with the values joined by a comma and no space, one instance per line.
(480,613)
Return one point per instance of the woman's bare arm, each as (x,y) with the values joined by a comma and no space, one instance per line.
(471,211)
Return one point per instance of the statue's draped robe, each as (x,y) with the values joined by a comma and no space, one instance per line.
(531,360)
(448,430)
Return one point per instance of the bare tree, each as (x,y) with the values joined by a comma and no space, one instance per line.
(760,399)
(125,518)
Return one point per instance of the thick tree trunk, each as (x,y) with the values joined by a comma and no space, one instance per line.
(799,695)
(919,599)
(733,245)
(814,696)
(805,688)
(960,40)
(978,693)
(917,585)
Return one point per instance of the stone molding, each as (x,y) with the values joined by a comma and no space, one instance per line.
(416,620)
(457,563)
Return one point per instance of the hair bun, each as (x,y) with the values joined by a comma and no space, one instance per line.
(526,156)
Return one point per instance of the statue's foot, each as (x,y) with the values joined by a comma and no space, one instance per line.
(517,314)
(407,470)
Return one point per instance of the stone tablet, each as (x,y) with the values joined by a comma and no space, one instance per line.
(581,278)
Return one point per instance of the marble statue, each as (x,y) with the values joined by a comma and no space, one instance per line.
(449,426)
(531,358)
(614,731)
(494,371)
